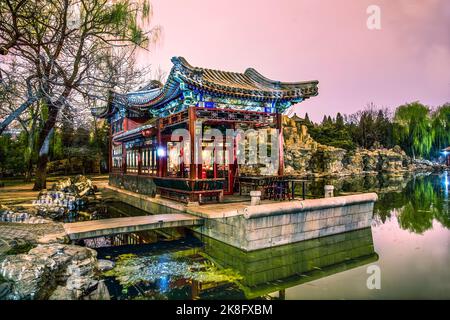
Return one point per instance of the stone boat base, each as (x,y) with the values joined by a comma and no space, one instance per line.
(269,224)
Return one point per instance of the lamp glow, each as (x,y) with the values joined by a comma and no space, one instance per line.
(161,152)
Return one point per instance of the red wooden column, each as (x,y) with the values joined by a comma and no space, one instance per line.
(280,144)
(124,158)
(191,127)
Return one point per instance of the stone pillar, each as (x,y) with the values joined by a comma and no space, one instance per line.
(329,191)
(255,197)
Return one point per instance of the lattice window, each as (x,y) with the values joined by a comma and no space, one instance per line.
(132,160)
(148,160)
(116,152)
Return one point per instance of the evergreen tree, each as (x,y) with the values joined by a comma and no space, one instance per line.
(307,121)
(339,120)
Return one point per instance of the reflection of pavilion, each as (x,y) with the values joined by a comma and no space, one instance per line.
(275,269)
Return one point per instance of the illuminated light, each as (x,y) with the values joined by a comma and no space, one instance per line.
(446,183)
(164,283)
(161,152)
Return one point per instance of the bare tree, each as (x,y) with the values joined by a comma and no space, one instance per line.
(69,51)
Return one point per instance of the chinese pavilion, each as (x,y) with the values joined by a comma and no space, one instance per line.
(143,157)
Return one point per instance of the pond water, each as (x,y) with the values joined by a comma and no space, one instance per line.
(409,242)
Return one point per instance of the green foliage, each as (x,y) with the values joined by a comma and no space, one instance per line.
(56,150)
(371,128)
(423,200)
(137,35)
(146,8)
(85,144)
(413,129)
(22,248)
(441,126)
(117,14)
(307,120)
(12,154)
(418,213)
(121,19)
(332,132)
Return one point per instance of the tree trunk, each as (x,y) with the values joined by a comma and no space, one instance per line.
(29,172)
(41,170)
(40,181)
(42,146)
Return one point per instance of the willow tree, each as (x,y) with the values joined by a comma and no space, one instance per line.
(441,126)
(413,129)
(68,52)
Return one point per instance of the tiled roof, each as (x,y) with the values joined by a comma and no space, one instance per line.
(250,85)
(131,133)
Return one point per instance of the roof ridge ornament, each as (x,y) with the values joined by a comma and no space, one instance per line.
(183,63)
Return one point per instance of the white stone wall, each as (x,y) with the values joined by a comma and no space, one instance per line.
(269,230)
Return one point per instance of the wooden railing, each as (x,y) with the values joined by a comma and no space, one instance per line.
(185,189)
(186,184)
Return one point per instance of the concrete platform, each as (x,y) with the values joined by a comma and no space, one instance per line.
(107,227)
(269,224)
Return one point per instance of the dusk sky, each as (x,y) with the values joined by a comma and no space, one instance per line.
(325,40)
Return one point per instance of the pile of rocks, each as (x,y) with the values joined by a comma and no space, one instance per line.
(56,203)
(19,216)
(11,216)
(306,157)
(427,165)
(53,271)
(65,196)
(79,185)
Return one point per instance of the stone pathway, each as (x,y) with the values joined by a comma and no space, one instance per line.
(21,193)
(15,234)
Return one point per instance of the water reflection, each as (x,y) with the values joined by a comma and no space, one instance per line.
(174,270)
(217,270)
(275,269)
(423,199)
(410,234)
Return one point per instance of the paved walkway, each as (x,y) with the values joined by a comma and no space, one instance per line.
(232,205)
(17,192)
(14,234)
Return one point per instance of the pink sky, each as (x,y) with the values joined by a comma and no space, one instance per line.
(407,60)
